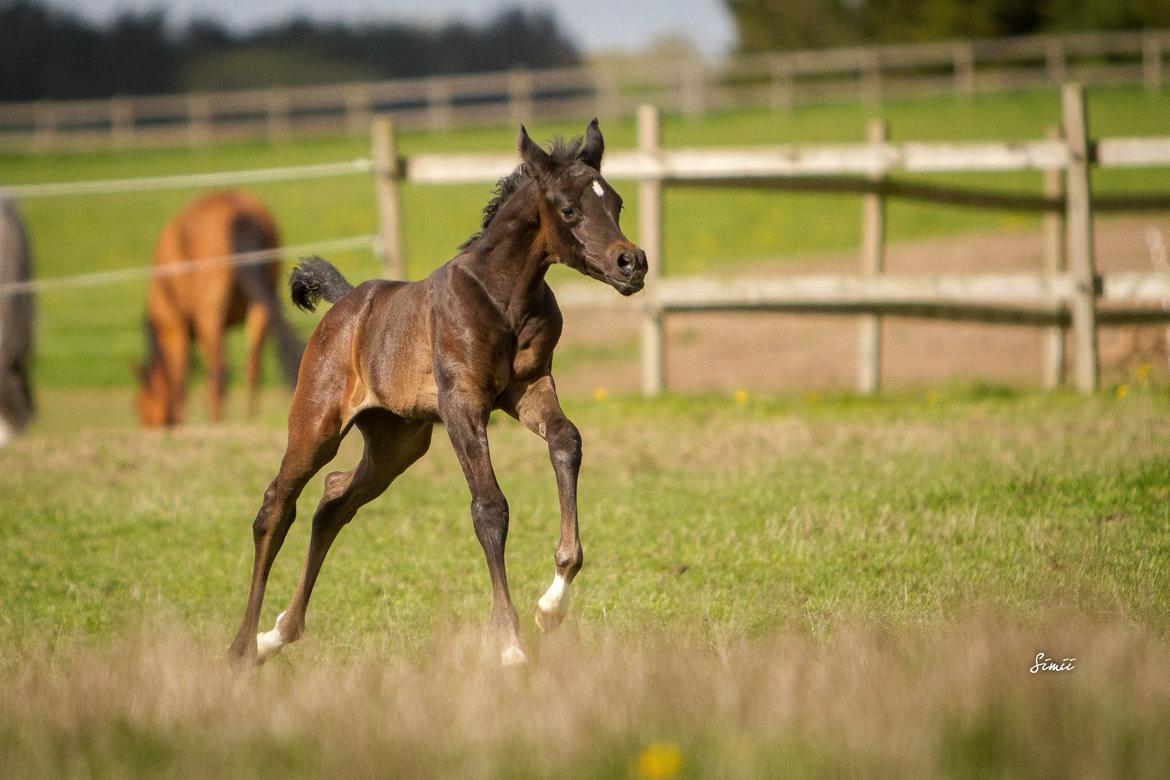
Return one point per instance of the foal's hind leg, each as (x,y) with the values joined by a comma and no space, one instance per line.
(392,445)
(536,405)
(312,443)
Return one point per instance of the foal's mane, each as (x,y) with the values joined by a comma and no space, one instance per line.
(563,152)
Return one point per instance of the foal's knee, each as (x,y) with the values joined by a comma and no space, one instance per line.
(564,444)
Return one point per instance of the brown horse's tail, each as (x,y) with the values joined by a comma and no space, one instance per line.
(313,279)
(251,235)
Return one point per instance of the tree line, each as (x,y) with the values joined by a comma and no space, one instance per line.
(771,25)
(46,53)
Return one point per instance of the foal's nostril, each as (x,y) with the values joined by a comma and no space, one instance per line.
(626,263)
(640,262)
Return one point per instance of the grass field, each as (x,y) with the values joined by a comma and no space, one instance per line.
(90,337)
(801,586)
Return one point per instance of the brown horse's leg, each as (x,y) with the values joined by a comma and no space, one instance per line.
(312,443)
(256,327)
(173,343)
(391,446)
(536,405)
(466,420)
(210,330)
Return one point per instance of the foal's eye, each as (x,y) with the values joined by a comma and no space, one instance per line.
(567,212)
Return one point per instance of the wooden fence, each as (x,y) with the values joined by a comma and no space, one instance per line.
(1066,293)
(690,87)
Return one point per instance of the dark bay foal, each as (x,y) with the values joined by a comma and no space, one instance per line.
(393,358)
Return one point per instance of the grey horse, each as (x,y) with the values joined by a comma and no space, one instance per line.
(16,323)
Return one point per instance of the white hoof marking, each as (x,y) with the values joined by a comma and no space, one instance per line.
(513,655)
(269,643)
(553,605)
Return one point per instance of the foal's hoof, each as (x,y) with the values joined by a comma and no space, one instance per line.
(547,621)
(512,656)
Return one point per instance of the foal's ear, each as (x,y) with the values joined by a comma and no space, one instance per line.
(593,147)
(538,160)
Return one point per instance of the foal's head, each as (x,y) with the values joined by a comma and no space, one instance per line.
(579,212)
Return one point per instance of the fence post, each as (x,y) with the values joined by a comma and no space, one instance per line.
(650,237)
(964,57)
(121,122)
(279,109)
(692,89)
(357,108)
(873,261)
(520,96)
(871,78)
(1152,60)
(1055,60)
(198,119)
(1053,358)
(386,176)
(1079,235)
(783,85)
(608,92)
(438,104)
(45,124)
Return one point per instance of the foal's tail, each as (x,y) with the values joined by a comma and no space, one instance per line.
(313,279)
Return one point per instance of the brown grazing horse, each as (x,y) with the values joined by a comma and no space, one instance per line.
(16,324)
(202,303)
(394,358)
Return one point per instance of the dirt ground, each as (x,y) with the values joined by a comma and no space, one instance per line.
(765,352)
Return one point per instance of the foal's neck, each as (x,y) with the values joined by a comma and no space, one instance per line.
(510,259)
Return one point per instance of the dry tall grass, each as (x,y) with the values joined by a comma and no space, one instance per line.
(959,700)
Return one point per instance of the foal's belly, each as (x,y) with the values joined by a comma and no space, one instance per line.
(394,355)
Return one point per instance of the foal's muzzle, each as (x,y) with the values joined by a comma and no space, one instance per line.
(631,267)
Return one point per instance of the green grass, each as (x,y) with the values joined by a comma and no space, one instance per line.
(89,338)
(780,511)
(808,585)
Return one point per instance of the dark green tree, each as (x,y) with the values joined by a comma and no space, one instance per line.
(767,25)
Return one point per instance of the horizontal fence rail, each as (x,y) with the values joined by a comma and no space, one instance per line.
(692,87)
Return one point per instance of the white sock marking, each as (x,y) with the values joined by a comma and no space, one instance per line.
(553,605)
(269,643)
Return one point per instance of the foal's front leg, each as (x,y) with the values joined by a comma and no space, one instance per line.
(466,419)
(536,405)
